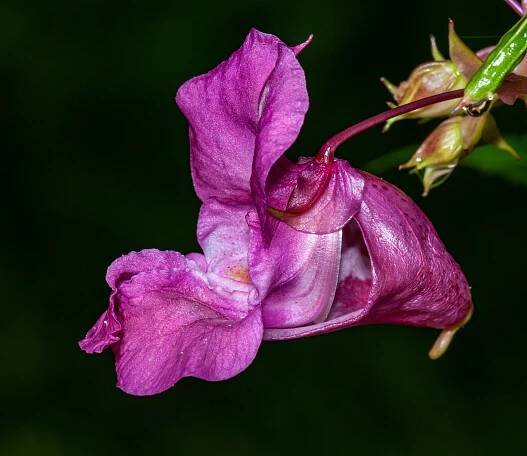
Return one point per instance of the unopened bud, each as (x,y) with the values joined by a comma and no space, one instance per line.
(427,79)
(452,140)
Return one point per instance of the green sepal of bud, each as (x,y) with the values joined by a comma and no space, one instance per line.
(464,58)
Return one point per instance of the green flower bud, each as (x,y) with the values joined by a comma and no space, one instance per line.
(426,80)
(451,141)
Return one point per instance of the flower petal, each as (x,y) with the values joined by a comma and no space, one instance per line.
(127,266)
(108,327)
(295,274)
(104,332)
(223,234)
(322,197)
(414,281)
(223,109)
(484,53)
(284,104)
(514,86)
(169,336)
(351,300)
(176,323)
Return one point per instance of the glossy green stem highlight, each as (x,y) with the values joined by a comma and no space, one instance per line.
(501,62)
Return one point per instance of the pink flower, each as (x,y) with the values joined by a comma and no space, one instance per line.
(351,249)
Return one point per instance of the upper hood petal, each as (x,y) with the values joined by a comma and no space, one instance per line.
(283,106)
(224,109)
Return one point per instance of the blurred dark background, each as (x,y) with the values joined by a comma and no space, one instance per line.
(95,164)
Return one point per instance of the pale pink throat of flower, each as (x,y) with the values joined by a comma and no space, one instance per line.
(445,337)
(238,273)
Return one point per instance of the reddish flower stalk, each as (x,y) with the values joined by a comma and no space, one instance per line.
(327,152)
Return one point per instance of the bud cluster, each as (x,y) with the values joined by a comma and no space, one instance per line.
(456,136)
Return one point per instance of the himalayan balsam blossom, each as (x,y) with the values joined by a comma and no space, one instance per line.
(350,249)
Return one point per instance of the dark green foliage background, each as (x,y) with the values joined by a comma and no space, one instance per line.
(95,164)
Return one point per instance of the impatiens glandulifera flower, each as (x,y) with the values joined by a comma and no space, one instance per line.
(452,140)
(289,250)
